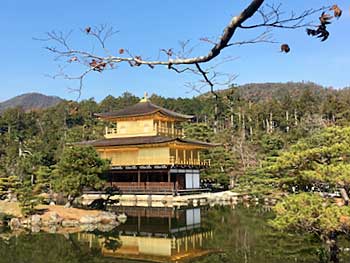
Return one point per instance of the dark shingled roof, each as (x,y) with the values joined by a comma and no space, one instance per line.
(142,109)
(141,141)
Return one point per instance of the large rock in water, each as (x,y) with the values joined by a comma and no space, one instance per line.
(70,223)
(102,218)
(89,220)
(122,218)
(106,228)
(35,220)
(54,218)
(14,223)
(107,218)
(88,227)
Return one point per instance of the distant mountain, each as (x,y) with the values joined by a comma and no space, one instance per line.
(30,101)
(267,91)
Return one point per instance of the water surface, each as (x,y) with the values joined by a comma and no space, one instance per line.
(217,234)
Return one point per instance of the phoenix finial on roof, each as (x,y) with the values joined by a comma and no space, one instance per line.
(145,97)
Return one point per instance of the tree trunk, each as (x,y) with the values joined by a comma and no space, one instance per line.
(239,117)
(216,116)
(332,246)
(344,195)
(232,182)
(232,120)
(271,123)
(267,126)
(250,128)
(243,126)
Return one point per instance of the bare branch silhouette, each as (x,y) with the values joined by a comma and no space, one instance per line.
(180,61)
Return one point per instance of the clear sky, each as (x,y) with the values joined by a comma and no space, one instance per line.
(147,26)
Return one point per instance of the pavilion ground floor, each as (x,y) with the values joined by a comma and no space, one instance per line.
(154,180)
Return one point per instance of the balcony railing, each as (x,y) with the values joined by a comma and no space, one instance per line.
(161,161)
(145,187)
(173,161)
(156,131)
(169,131)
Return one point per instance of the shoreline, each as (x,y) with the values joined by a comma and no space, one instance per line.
(56,218)
(165,200)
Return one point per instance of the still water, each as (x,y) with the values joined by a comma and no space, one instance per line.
(217,234)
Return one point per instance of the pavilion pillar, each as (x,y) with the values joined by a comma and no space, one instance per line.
(176,183)
(138,176)
(138,223)
(169,176)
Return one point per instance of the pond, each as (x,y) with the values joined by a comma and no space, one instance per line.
(206,234)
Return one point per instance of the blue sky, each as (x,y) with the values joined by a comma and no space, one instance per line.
(147,26)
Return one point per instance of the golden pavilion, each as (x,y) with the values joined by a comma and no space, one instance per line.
(149,152)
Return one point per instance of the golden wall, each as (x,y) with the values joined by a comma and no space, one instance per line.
(143,127)
(132,128)
(136,156)
(150,156)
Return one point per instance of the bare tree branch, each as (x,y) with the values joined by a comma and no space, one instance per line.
(179,61)
(273,18)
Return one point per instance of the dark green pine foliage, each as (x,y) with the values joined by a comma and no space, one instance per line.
(78,168)
(319,160)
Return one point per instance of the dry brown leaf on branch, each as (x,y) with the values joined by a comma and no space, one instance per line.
(285,48)
(337,11)
(73,59)
(88,30)
(325,19)
(97,65)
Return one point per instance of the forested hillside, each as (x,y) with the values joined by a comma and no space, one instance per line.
(254,122)
(267,91)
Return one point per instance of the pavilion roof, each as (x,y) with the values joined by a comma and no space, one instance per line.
(143,140)
(143,108)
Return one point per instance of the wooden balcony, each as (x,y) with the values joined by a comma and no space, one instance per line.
(169,132)
(163,131)
(162,161)
(195,162)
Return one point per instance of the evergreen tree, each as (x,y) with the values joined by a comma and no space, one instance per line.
(78,168)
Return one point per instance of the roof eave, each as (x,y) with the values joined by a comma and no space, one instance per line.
(109,117)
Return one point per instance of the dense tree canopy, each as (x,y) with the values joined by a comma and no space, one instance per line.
(311,213)
(321,159)
(78,167)
(252,125)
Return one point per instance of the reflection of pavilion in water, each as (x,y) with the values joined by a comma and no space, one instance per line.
(158,235)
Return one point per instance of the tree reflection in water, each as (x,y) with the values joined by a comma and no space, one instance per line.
(245,236)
